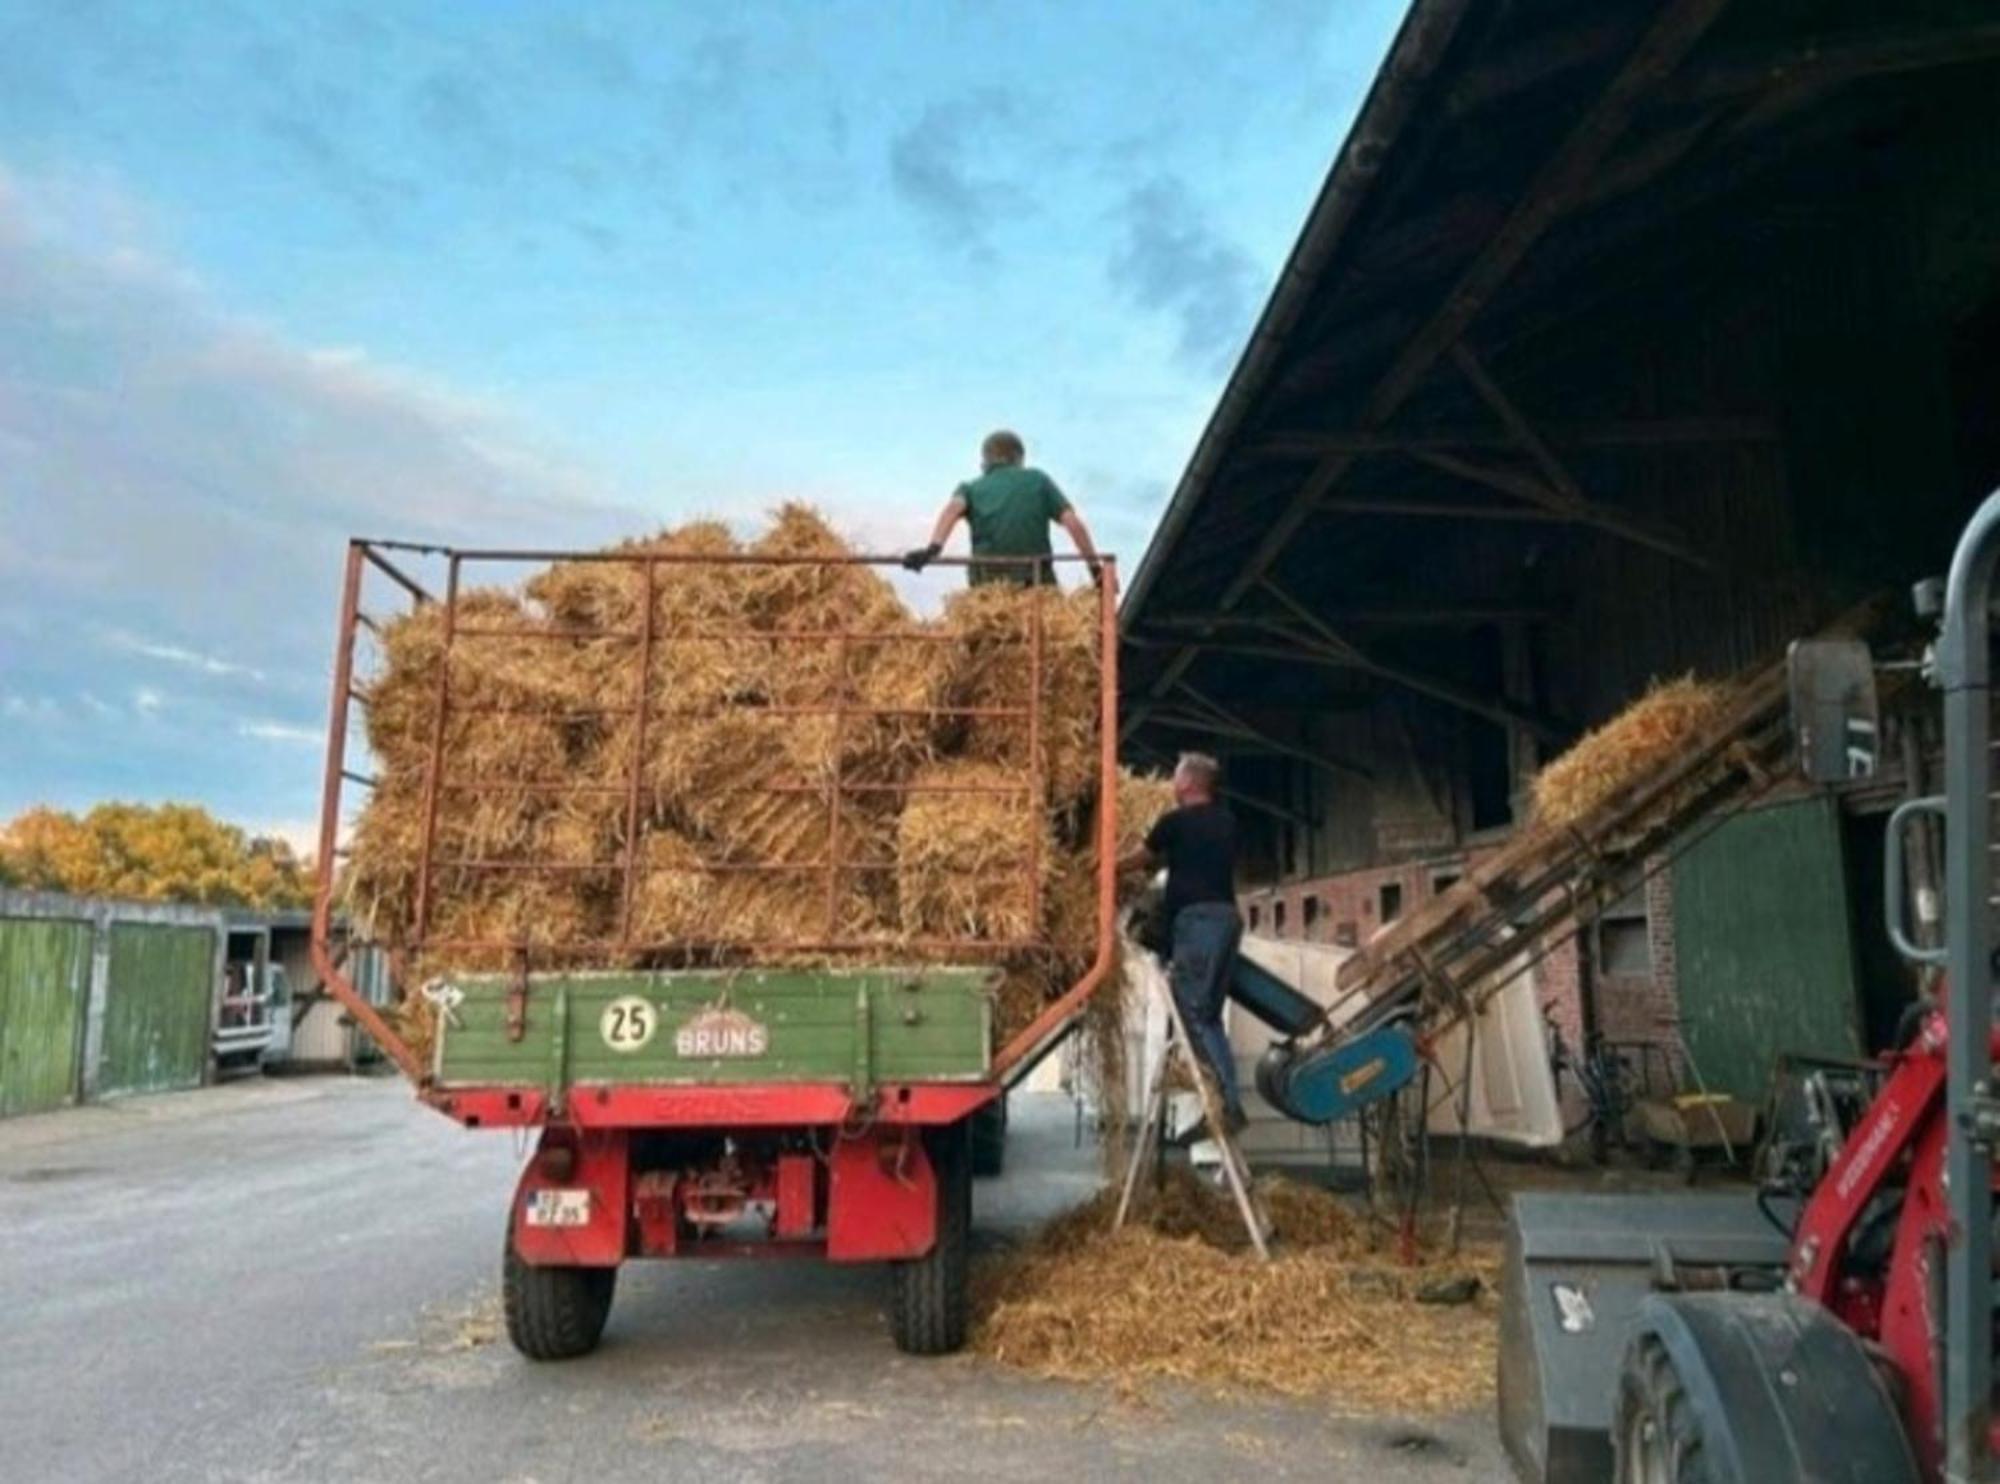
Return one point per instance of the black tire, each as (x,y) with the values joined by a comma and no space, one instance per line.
(554,1313)
(1655,1433)
(989,1139)
(929,1303)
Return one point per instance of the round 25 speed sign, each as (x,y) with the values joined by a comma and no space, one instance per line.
(628,1023)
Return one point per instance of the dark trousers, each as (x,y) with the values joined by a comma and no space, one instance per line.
(1206,936)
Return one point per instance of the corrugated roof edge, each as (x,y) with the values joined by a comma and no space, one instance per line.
(1420,43)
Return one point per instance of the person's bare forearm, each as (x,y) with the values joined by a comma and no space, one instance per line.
(1080,534)
(1140,859)
(947,521)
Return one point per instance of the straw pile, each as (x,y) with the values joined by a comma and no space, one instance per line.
(755,678)
(1641,738)
(1175,1298)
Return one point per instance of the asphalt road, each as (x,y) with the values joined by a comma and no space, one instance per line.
(296,1281)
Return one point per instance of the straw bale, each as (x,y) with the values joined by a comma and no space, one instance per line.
(1641,738)
(962,859)
(995,668)
(1175,1297)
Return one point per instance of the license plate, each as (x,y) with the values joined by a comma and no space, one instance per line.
(559,1208)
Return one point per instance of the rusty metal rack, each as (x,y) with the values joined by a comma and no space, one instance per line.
(438,871)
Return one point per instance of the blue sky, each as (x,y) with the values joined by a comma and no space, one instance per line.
(271,275)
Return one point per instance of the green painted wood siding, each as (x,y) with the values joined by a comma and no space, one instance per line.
(1764,945)
(929,1025)
(44,982)
(158,1002)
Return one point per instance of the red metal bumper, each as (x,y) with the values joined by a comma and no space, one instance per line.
(791,1105)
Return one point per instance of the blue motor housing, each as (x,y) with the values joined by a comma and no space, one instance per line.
(1324,1084)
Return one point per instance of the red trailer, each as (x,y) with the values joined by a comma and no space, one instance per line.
(701,1106)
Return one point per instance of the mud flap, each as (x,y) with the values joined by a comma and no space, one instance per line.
(1783,1392)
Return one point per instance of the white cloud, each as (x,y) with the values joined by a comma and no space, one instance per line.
(278,731)
(29,708)
(147,701)
(95,704)
(175,654)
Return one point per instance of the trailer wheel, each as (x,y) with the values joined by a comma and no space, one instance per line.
(1656,1434)
(989,1139)
(554,1313)
(929,1306)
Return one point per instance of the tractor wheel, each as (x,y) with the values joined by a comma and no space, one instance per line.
(1655,1433)
(989,1139)
(554,1313)
(930,1305)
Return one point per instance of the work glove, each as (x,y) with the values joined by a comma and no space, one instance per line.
(921,557)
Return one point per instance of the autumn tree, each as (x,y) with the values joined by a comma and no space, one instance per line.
(156,853)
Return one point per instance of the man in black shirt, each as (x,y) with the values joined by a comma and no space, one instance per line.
(1196,842)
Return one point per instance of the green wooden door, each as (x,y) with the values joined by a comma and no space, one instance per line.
(1764,945)
(44,978)
(157,1006)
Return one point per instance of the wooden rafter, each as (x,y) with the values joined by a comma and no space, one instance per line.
(1337,647)
(1558,489)
(1720,429)
(1232,723)
(1675,30)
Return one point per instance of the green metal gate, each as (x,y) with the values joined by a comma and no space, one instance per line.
(1764,945)
(157,1007)
(44,980)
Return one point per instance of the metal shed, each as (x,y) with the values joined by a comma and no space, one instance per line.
(101,997)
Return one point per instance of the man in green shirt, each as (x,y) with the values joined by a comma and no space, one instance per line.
(1010,508)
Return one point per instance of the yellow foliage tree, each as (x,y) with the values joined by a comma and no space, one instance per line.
(154,853)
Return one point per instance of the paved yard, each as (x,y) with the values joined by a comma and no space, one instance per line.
(295,1281)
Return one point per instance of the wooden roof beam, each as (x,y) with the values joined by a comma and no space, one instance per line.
(1676,28)
(1660,432)
(1558,490)
(1450,693)
(1249,731)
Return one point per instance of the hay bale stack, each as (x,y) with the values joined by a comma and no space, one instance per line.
(728,774)
(963,858)
(994,668)
(1643,737)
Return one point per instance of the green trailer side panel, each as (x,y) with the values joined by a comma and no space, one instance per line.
(929,1025)
(44,979)
(1764,945)
(157,1008)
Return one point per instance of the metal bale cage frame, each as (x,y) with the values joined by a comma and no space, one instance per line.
(389,560)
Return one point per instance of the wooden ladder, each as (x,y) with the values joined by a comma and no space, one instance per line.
(1235,1169)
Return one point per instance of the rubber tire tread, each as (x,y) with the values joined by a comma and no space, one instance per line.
(989,1140)
(930,1300)
(554,1313)
(1649,1385)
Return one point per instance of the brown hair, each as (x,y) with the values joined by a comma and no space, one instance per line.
(1002,447)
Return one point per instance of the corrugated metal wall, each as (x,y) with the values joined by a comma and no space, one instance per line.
(44,981)
(158,1009)
(1764,946)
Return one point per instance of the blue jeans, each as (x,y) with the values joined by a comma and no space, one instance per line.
(1206,936)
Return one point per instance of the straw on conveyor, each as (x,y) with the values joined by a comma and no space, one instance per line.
(1640,739)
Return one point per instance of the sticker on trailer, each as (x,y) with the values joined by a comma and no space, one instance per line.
(721,1033)
(558,1208)
(628,1023)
